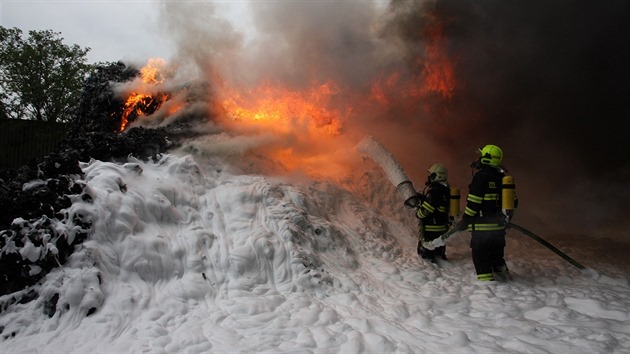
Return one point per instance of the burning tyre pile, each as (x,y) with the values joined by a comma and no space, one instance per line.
(36,233)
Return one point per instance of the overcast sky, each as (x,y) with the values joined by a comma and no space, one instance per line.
(113,29)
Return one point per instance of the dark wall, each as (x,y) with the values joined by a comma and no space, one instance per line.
(23,140)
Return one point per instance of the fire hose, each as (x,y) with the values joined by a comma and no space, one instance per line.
(545,243)
(441,241)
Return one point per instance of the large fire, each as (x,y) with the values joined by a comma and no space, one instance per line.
(311,119)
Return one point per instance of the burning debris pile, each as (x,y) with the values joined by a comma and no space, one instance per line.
(36,232)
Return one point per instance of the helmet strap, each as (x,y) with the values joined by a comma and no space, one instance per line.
(476,164)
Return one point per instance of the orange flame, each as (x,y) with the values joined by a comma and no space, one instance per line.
(152,72)
(282,110)
(438,69)
(434,73)
(384,91)
(307,123)
(312,117)
(131,106)
(140,100)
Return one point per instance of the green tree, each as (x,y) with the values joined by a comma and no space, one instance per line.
(40,77)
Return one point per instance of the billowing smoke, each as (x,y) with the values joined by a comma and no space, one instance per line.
(548,81)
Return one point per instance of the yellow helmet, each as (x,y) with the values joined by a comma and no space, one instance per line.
(491,155)
(438,172)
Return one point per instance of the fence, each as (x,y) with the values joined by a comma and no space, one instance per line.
(23,140)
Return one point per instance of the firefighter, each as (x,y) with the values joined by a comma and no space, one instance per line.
(484,217)
(433,212)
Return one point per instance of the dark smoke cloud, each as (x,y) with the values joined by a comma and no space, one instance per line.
(557,67)
(548,81)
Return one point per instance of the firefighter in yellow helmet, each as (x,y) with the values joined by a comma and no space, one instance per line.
(483,215)
(433,212)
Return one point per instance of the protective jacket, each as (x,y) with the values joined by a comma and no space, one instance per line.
(483,204)
(434,209)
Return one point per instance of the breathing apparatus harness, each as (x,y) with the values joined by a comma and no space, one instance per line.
(507,188)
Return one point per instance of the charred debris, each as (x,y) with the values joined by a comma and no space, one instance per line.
(33,197)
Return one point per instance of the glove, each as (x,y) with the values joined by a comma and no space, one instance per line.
(509,213)
(463,223)
(413,202)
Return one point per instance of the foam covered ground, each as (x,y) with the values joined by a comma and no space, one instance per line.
(194,254)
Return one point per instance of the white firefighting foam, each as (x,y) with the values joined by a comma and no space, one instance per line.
(193,253)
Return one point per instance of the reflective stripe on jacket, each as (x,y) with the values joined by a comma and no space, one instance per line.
(434,209)
(483,204)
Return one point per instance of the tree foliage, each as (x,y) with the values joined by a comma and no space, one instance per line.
(41,78)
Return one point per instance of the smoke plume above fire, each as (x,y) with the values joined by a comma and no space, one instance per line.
(548,81)
(318,75)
